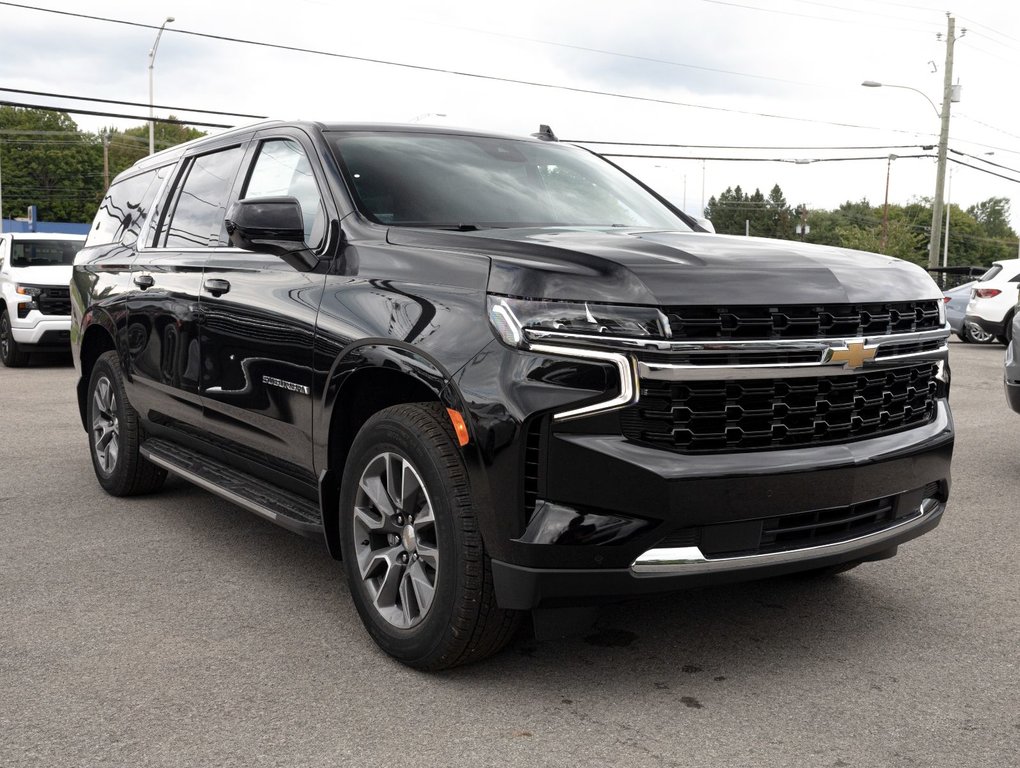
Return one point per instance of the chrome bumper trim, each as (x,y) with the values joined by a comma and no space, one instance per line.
(690,560)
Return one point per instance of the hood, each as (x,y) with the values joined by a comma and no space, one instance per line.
(672,268)
(59,275)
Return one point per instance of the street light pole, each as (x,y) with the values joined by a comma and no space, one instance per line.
(152,62)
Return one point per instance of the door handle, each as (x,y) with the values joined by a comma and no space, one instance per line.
(144,281)
(216,287)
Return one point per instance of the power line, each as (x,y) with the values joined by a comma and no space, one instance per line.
(454,72)
(129,103)
(809,15)
(142,118)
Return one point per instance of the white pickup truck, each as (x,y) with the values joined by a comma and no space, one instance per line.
(35,305)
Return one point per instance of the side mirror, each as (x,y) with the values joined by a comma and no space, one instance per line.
(706,225)
(271,225)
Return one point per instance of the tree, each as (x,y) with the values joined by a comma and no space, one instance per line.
(49,163)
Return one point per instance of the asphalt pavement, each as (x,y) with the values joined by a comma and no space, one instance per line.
(179,630)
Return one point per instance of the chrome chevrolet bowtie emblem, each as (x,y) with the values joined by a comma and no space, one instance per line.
(853,355)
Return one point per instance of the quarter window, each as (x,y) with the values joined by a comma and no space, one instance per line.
(197,219)
(282,169)
(123,210)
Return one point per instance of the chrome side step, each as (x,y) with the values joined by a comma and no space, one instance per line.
(286,509)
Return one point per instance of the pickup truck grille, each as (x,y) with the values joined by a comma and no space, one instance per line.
(54,300)
(763,414)
(806,321)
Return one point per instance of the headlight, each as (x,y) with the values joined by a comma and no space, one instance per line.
(942,310)
(28,290)
(520,321)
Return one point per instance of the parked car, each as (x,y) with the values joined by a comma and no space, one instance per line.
(994,299)
(956,309)
(497,374)
(1012,366)
(35,308)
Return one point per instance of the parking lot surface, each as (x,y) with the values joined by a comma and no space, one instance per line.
(179,630)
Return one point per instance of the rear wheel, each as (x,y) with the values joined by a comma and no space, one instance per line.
(414,557)
(11,354)
(975,334)
(115,434)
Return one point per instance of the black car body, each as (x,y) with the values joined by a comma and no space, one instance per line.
(636,408)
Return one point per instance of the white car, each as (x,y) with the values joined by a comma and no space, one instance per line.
(35,303)
(993,299)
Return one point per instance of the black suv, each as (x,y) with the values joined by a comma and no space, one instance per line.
(497,374)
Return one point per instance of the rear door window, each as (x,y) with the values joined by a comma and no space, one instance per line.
(201,203)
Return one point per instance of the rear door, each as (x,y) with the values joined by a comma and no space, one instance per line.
(163,312)
(258,326)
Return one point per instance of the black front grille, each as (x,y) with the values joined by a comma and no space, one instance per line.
(54,300)
(792,531)
(807,321)
(762,414)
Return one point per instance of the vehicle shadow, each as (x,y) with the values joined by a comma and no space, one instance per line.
(686,642)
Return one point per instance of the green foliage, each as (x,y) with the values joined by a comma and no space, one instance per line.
(977,236)
(47,162)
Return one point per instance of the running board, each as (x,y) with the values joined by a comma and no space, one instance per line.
(293,512)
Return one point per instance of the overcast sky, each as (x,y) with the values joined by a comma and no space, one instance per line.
(699,71)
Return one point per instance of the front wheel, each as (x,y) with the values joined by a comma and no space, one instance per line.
(414,557)
(115,434)
(11,354)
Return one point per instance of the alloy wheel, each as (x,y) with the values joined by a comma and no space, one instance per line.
(395,540)
(105,425)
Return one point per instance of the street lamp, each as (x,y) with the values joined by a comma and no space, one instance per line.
(152,61)
(950,93)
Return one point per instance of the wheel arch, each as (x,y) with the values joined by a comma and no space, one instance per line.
(97,338)
(366,378)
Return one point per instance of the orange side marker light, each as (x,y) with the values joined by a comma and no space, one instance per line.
(459,427)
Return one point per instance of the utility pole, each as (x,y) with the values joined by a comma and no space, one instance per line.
(106,161)
(885,208)
(940,177)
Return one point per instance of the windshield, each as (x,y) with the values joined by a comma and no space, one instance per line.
(468,182)
(43,253)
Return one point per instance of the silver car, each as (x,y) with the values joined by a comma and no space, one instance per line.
(956,310)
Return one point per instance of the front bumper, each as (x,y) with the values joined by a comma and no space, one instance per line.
(685,500)
(42,332)
(664,570)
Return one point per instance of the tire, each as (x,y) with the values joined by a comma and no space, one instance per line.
(414,557)
(115,434)
(11,354)
(974,334)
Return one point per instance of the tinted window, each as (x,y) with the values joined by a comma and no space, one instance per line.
(43,253)
(445,180)
(197,219)
(123,210)
(282,169)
